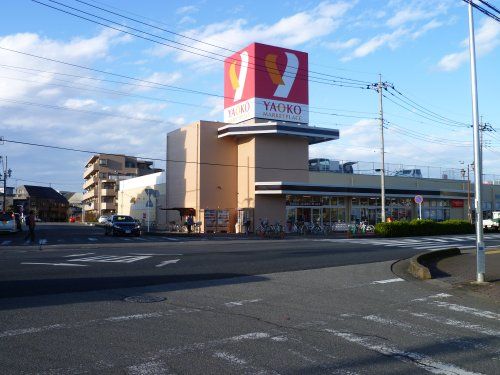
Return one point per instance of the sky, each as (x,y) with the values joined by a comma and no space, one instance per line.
(419,47)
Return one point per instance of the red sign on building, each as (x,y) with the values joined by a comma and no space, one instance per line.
(457,203)
(267,82)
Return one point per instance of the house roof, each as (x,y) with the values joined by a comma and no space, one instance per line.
(45,192)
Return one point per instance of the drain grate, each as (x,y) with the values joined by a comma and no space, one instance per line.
(144,299)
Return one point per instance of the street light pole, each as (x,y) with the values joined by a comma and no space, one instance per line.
(478,178)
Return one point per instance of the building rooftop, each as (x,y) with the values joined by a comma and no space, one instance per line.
(44,192)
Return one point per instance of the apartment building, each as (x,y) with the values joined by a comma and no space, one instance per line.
(102,174)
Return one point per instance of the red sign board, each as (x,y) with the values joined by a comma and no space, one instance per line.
(268,82)
(456,203)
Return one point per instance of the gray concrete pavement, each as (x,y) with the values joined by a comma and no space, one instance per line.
(356,319)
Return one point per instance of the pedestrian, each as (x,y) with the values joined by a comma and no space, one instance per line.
(189,223)
(246,226)
(30,223)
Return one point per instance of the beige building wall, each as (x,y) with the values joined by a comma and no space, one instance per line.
(202,170)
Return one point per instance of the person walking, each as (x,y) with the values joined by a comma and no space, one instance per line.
(30,223)
(189,223)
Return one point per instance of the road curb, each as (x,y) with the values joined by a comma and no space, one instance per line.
(417,268)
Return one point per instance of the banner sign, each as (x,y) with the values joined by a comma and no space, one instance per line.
(456,203)
(266,82)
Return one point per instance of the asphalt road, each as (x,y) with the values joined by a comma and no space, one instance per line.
(356,319)
(225,306)
(80,258)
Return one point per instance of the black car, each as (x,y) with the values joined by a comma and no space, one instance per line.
(122,225)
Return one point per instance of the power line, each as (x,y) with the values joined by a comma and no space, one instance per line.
(483,10)
(427,110)
(490,6)
(420,114)
(195,39)
(99,113)
(299,77)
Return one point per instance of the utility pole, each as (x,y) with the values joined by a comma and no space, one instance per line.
(379,87)
(478,163)
(6,173)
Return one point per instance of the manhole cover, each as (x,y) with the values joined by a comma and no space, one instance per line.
(144,299)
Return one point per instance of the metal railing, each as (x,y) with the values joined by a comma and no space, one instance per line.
(408,170)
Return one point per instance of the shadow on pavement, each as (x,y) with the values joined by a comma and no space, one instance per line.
(46,288)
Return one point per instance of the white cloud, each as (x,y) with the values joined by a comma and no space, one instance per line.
(418,11)
(433,24)
(391,39)
(289,31)
(79,103)
(161,78)
(487,38)
(187,9)
(350,43)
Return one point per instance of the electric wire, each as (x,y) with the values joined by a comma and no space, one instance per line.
(298,77)
(482,10)
(200,41)
(415,104)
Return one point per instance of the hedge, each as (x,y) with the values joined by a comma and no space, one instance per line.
(423,228)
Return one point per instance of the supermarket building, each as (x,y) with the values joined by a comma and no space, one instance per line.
(255,164)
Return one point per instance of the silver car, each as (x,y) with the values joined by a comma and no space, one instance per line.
(103,219)
(8,222)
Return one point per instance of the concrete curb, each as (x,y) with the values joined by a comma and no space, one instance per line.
(418,270)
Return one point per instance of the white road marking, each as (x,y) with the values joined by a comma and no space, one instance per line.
(149,368)
(395,323)
(43,241)
(112,319)
(387,281)
(162,255)
(230,358)
(458,324)
(173,261)
(140,239)
(434,296)
(77,255)
(126,239)
(170,239)
(468,310)
(242,302)
(24,331)
(111,259)
(417,359)
(56,264)
(92,239)
(5,243)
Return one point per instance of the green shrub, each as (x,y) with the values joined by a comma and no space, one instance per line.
(423,228)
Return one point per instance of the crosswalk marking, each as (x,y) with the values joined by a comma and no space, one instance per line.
(418,359)
(111,259)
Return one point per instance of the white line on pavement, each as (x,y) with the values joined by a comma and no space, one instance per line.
(111,259)
(468,310)
(92,239)
(417,359)
(111,319)
(5,243)
(458,324)
(77,255)
(170,239)
(56,264)
(434,296)
(173,261)
(242,302)
(387,281)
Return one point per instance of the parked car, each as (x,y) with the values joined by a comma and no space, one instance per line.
(103,219)
(8,222)
(122,225)
(492,223)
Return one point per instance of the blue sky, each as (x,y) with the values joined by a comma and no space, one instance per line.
(419,46)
